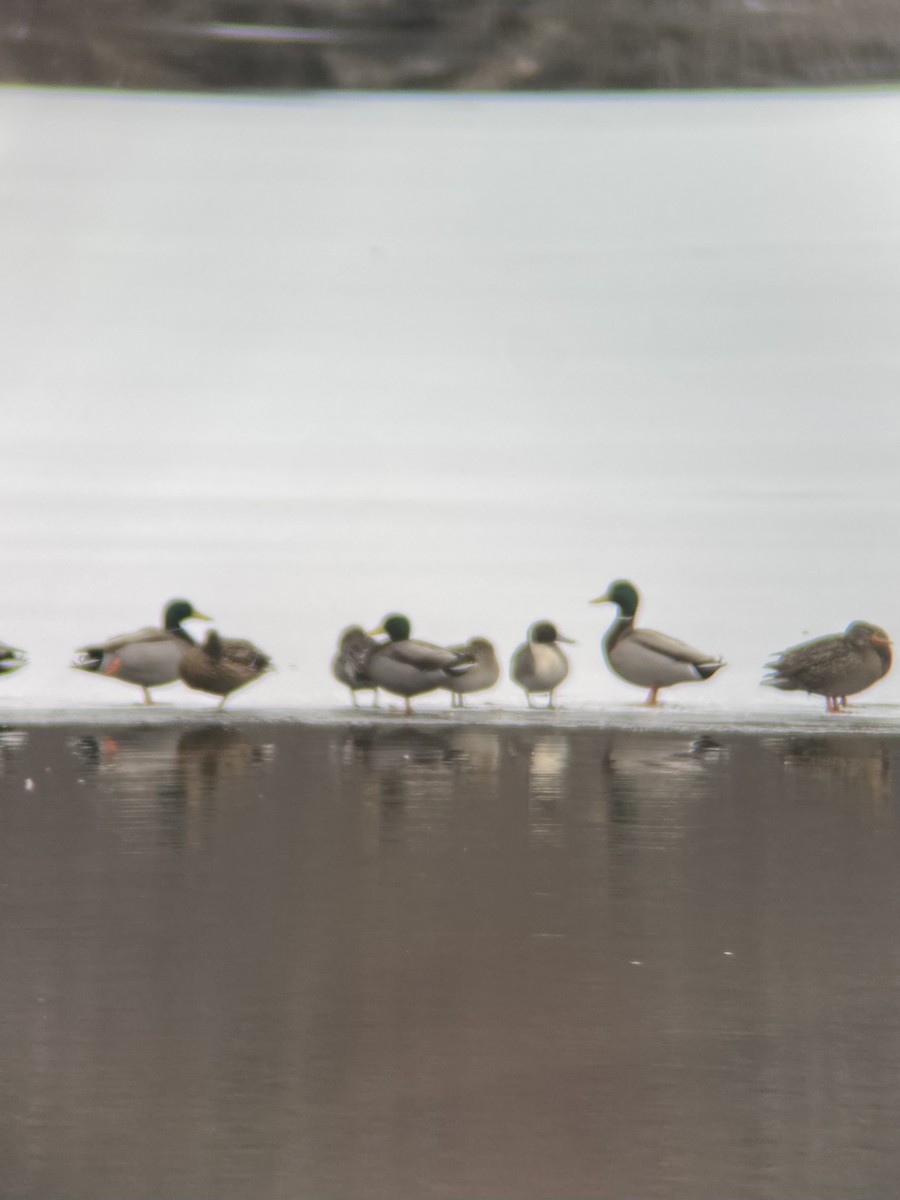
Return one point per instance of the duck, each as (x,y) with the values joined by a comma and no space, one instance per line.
(11,659)
(835,666)
(222,665)
(539,666)
(644,657)
(407,667)
(349,663)
(149,657)
(481,675)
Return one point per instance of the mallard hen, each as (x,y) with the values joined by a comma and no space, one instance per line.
(835,666)
(222,665)
(349,664)
(481,675)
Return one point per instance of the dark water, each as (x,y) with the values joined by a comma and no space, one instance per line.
(250,960)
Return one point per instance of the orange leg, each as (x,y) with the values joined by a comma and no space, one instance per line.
(650,702)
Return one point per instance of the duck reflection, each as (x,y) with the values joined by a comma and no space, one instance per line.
(475,751)
(411,778)
(160,778)
(649,784)
(656,766)
(548,765)
(862,765)
(209,757)
(12,742)
(384,751)
(403,776)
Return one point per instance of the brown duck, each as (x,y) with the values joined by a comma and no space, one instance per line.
(222,665)
(836,666)
(349,663)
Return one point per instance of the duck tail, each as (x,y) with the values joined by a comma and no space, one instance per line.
(88,659)
(779,681)
(262,662)
(464,662)
(12,659)
(707,670)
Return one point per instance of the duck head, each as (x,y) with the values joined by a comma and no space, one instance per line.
(354,637)
(623,594)
(546,632)
(396,626)
(861,633)
(871,637)
(481,645)
(181,610)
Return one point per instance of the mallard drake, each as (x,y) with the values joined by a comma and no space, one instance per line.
(11,659)
(538,665)
(643,656)
(222,665)
(483,674)
(836,666)
(410,668)
(349,664)
(149,657)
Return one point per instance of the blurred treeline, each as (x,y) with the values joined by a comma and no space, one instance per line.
(459,44)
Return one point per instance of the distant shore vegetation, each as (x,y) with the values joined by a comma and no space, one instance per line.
(466,45)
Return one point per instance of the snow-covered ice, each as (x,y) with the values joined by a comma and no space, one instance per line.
(309,360)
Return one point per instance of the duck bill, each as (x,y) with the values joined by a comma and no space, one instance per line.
(561,637)
(198,616)
(604,599)
(882,641)
(376,632)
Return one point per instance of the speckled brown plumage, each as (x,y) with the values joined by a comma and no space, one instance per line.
(835,666)
(349,664)
(222,665)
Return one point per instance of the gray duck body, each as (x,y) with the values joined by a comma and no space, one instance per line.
(644,657)
(834,666)
(481,675)
(408,667)
(539,666)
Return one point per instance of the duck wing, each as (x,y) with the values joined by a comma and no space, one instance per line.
(349,664)
(240,653)
(672,648)
(817,666)
(523,665)
(424,656)
(138,637)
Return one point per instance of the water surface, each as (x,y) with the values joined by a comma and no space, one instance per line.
(246,959)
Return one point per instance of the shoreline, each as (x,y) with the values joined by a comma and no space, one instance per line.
(869,721)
